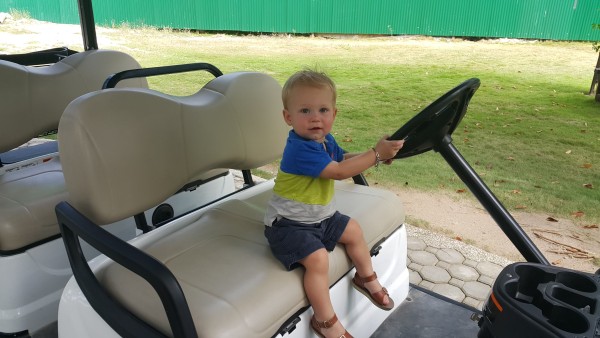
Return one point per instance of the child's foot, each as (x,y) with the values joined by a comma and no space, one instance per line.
(370,287)
(331,328)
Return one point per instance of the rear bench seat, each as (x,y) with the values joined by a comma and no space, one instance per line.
(32,100)
(220,257)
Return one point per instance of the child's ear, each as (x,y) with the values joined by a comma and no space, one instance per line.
(287,117)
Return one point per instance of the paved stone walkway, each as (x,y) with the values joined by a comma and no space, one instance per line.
(450,267)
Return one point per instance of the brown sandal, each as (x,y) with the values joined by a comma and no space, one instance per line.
(376,297)
(317,326)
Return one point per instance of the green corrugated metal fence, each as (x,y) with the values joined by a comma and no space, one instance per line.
(530,19)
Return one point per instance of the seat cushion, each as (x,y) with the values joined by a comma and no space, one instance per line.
(27,200)
(233,284)
(36,148)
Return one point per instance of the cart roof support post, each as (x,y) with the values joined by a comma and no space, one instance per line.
(88,26)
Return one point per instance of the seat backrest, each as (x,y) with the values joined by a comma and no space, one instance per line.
(125,150)
(32,99)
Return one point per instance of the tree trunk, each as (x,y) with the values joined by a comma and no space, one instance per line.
(595,80)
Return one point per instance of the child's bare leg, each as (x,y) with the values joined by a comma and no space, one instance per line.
(357,249)
(316,286)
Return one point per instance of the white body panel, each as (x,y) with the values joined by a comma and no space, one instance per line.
(32,282)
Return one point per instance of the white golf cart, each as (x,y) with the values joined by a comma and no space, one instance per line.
(206,270)
(210,273)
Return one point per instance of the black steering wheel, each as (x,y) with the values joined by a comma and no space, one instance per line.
(432,129)
(429,127)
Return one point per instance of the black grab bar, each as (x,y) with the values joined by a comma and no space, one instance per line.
(112,80)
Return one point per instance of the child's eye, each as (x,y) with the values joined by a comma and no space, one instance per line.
(305,111)
(323,110)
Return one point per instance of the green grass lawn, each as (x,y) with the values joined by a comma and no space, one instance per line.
(530,131)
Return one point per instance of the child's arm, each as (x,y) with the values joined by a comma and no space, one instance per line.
(355,164)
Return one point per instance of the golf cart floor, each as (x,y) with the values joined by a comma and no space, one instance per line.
(427,314)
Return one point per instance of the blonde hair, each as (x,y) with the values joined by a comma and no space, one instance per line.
(307,77)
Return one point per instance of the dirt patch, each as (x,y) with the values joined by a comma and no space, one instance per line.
(27,35)
(563,243)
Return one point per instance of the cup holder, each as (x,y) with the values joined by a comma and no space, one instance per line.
(575,299)
(568,320)
(518,291)
(532,276)
(576,281)
(553,297)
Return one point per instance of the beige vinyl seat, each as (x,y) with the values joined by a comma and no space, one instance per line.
(33,100)
(233,285)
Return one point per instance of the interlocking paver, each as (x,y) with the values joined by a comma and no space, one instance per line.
(489,269)
(486,280)
(443,265)
(471,263)
(449,291)
(422,257)
(450,256)
(414,277)
(416,244)
(473,302)
(427,285)
(415,267)
(435,274)
(431,249)
(463,272)
(448,272)
(476,290)
(456,282)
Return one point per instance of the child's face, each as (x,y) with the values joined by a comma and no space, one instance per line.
(311,112)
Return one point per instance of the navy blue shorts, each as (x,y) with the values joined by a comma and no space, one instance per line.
(292,241)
